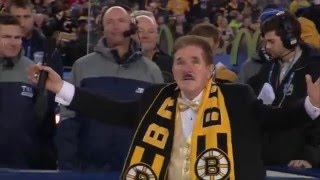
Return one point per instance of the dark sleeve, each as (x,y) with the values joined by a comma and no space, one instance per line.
(312,155)
(45,108)
(101,108)
(276,118)
(54,57)
(55,62)
(312,149)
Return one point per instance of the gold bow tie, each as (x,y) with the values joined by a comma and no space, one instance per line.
(185,104)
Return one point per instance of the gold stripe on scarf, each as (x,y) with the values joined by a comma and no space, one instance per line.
(210,132)
(150,151)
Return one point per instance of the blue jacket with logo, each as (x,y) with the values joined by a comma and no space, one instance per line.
(39,43)
(25,141)
(87,144)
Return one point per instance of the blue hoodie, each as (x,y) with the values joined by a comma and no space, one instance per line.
(87,144)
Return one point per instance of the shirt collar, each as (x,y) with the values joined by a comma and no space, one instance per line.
(294,59)
(197,98)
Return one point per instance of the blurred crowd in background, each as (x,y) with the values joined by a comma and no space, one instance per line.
(69,21)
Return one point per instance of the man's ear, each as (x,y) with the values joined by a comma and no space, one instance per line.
(212,69)
(216,43)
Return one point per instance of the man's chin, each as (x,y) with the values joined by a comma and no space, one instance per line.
(11,54)
(147,48)
(186,84)
(117,42)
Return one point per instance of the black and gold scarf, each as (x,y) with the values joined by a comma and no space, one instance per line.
(211,143)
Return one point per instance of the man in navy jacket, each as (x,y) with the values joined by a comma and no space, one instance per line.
(26,142)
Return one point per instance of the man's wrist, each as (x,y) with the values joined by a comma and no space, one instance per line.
(66,93)
(59,87)
(314,104)
(312,110)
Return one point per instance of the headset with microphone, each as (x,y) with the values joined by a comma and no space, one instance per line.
(288,35)
(133,29)
(289,39)
(133,25)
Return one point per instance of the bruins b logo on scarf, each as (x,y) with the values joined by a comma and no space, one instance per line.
(211,153)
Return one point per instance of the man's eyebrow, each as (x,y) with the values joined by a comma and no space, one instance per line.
(6,35)
(195,57)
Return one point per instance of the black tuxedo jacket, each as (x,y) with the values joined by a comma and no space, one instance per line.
(247,117)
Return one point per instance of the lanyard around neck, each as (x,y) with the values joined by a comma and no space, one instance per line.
(286,88)
(29,49)
(287,70)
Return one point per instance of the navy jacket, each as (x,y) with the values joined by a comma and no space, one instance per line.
(39,43)
(86,144)
(26,142)
(280,147)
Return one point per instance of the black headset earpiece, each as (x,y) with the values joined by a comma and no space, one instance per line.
(289,40)
(133,28)
(101,19)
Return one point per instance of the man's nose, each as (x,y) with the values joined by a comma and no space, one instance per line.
(114,28)
(187,67)
(267,45)
(117,25)
(22,24)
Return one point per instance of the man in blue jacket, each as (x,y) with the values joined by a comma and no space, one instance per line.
(117,69)
(33,40)
(26,142)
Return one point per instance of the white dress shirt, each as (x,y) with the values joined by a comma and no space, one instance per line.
(67,91)
(188,117)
